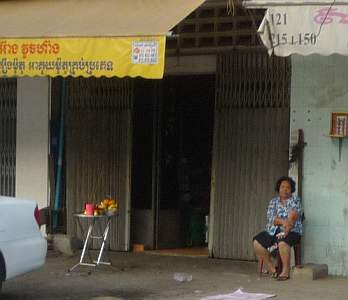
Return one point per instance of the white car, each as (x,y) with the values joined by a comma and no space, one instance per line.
(22,247)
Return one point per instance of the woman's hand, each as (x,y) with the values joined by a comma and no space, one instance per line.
(279,221)
(287,224)
(293,215)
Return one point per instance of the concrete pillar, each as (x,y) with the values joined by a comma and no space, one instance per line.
(33,100)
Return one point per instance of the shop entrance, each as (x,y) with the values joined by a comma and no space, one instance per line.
(173,130)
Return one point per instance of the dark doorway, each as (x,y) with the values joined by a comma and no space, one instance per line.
(187,107)
(173,132)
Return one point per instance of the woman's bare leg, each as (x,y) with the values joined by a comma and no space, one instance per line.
(262,253)
(284,251)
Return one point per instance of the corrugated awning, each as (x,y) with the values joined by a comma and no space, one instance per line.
(87,37)
(303,27)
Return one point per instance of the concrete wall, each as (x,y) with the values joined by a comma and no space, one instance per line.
(185,65)
(32,139)
(319,87)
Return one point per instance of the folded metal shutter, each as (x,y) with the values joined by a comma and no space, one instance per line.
(8,113)
(98,149)
(250,146)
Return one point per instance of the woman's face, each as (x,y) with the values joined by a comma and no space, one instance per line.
(284,190)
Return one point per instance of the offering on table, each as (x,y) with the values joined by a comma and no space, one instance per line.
(106,206)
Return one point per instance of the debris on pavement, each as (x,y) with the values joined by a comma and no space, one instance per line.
(182,277)
(240,295)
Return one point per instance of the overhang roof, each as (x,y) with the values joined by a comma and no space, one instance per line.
(91,18)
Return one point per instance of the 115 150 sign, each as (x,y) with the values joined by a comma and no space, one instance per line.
(301,39)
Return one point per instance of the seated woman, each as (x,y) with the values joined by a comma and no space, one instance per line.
(284,227)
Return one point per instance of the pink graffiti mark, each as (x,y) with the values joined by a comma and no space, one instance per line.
(327,15)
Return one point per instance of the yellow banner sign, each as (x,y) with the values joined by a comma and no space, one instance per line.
(121,56)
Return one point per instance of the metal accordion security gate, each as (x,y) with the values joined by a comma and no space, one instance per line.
(98,150)
(250,151)
(8,119)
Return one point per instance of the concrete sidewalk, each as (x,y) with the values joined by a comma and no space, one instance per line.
(147,276)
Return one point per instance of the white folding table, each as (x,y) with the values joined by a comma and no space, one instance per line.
(101,221)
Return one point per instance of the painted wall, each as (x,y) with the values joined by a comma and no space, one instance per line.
(32,139)
(196,65)
(319,87)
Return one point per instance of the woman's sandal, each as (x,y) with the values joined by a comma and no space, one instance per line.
(274,275)
(282,278)
(264,273)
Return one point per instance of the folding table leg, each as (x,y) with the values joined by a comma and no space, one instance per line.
(105,236)
(104,232)
(90,228)
(84,251)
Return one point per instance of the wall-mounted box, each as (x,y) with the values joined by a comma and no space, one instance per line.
(339,124)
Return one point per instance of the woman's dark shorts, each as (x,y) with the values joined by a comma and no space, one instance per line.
(267,240)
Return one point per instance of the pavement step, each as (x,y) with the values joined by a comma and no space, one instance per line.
(310,272)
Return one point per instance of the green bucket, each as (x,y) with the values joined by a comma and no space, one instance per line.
(197,230)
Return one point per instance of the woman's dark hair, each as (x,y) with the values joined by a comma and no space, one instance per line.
(289,180)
